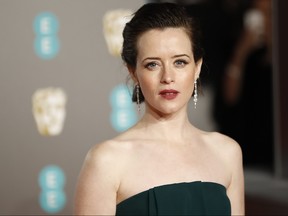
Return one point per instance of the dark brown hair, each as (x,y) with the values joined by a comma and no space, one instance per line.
(158,16)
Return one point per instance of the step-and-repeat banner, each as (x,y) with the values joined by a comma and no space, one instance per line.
(63,89)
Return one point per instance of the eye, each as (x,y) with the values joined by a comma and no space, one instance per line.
(151,65)
(180,63)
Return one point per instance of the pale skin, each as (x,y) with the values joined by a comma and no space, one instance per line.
(163,147)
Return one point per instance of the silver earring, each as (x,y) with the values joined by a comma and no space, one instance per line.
(195,94)
(138,98)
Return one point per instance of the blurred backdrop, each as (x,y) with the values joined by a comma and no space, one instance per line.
(57,49)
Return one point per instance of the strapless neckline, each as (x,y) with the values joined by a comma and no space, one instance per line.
(171,184)
(184,198)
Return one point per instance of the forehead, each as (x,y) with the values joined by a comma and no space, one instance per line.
(164,40)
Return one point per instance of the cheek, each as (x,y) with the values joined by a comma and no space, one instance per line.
(146,85)
(188,84)
(147,81)
(188,78)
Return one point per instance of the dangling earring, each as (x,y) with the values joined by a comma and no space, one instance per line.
(138,98)
(195,94)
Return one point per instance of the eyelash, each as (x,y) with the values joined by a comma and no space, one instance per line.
(183,62)
(152,65)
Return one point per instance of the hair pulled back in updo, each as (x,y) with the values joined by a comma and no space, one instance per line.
(159,16)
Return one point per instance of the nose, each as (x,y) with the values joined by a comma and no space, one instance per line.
(167,76)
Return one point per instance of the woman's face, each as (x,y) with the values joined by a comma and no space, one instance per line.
(165,69)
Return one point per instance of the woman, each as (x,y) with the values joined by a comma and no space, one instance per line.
(162,165)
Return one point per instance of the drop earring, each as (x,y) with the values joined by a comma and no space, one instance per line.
(195,99)
(138,98)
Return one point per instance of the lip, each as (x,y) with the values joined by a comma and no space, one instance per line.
(169,94)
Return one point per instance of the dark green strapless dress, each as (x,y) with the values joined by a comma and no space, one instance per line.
(191,198)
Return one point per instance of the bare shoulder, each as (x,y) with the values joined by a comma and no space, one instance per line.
(101,159)
(99,179)
(226,141)
(225,146)
(104,150)
(229,153)
(107,153)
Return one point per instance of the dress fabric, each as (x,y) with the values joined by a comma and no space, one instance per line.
(187,198)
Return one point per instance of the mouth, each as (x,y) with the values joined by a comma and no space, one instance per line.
(169,94)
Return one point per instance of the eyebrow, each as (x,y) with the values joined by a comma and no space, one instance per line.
(181,55)
(157,58)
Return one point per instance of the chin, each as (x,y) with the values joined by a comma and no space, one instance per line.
(168,111)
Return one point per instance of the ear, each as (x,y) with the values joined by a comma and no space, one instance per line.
(198,68)
(132,72)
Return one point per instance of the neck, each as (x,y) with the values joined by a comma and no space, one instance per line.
(172,127)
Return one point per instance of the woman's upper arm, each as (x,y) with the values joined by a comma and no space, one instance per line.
(235,190)
(97,184)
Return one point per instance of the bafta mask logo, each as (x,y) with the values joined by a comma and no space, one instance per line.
(49,110)
(113,24)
